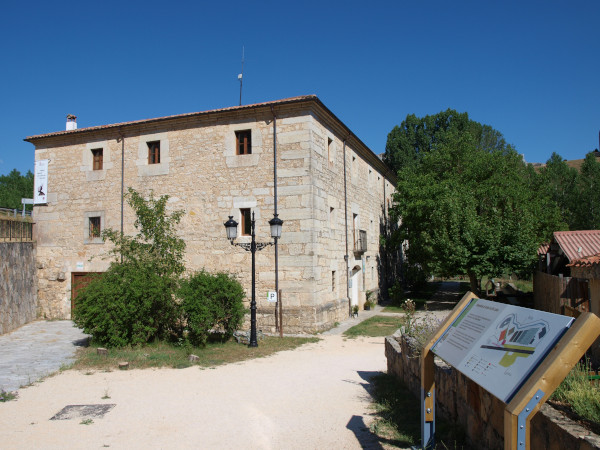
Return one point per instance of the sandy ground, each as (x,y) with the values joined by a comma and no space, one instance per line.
(312,397)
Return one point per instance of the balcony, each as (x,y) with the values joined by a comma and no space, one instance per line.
(360,242)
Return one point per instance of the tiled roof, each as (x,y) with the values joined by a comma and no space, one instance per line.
(590,261)
(578,244)
(180,116)
(543,249)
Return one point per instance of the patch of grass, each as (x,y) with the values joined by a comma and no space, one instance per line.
(162,354)
(580,394)
(7,396)
(86,422)
(375,326)
(398,417)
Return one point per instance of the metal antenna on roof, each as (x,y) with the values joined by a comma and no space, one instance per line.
(241,75)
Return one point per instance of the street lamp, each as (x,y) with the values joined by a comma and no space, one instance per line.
(253,247)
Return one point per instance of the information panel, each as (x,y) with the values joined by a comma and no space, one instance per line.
(498,345)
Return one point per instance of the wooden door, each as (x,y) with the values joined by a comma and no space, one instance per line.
(79,280)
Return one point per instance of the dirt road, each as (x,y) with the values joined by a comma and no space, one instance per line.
(309,398)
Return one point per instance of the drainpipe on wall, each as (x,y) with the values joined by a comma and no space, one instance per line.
(122,139)
(346,257)
(278,305)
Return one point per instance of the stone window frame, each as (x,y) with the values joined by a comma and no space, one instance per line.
(240,203)
(88,216)
(232,158)
(87,159)
(147,169)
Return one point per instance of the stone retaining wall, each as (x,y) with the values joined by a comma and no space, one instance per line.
(18,285)
(478,412)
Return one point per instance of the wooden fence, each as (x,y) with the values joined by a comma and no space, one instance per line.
(15,231)
(560,295)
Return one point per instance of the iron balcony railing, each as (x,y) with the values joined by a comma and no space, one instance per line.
(360,242)
(15,230)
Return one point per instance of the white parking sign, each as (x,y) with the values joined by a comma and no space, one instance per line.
(272,297)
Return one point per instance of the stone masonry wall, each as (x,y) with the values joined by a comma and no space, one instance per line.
(202,174)
(18,285)
(479,413)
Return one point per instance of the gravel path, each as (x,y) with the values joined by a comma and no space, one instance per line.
(313,397)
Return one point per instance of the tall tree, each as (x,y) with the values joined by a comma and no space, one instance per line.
(415,137)
(469,208)
(587,206)
(14,187)
(559,181)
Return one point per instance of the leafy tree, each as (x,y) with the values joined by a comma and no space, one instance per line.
(586,206)
(415,137)
(467,206)
(14,187)
(559,181)
(133,302)
(156,242)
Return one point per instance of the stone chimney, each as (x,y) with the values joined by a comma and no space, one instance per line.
(71,122)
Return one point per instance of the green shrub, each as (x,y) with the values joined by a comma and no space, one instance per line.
(129,304)
(211,303)
(577,391)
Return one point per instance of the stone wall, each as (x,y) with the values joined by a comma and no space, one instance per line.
(18,285)
(479,413)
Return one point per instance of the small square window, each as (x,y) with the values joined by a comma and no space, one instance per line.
(98,156)
(243,142)
(154,152)
(95,224)
(246,222)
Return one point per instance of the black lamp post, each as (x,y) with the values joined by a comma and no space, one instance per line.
(253,247)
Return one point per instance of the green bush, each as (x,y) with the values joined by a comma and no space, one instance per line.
(129,304)
(210,303)
(577,391)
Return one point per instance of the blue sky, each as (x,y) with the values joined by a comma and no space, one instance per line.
(530,69)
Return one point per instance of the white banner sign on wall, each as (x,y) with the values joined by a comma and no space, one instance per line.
(40,191)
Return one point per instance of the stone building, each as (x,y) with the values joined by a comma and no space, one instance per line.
(332,194)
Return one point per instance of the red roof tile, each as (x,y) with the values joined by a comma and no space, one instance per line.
(180,116)
(578,244)
(543,249)
(590,261)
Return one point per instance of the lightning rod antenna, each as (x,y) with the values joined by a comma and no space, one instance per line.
(241,76)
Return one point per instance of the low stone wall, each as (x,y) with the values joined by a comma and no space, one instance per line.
(18,285)
(478,412)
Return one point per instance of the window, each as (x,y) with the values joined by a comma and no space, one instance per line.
(330,151)
(333,281)
(154,152)
(98,157)
(243,142)
(94,223)
(246,222)
(331,218)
